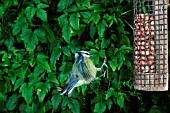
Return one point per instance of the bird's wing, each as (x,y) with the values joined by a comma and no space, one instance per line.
(82,67)
(71,78)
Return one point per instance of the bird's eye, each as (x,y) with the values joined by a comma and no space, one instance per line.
(87,53)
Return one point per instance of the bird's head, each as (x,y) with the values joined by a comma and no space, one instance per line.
(84,53)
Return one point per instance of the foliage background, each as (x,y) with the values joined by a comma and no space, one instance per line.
(38,39)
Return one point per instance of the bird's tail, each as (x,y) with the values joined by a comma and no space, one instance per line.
(69,88)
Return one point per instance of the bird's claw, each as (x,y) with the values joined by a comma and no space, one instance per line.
(104,63)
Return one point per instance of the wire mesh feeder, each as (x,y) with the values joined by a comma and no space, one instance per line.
(150,45)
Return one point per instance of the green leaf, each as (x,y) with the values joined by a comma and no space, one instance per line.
(2,11)
(56,99)
(126,40)
(83,89)
(55,55)
(66,51)
(97,8)
(95,17)
(102,54)
(36,1)
(42,14)
(29,109)
(120,100)
(41,5)
(41,35)
(120,59)
(78,32)
(20,24)
(109,92)
(109,104)
(89,44)
(52,78)
(50,34)
(74,20)
(18,83)
(66,32)
(62,19)
(114,37)
(92,29)
(11,103)
(27,92)
(73,8)
(63,4)
(30,12)
(29,38)
(105,43)
(42,90)
(83,2)
(100,107)
(86,14)
(42,62)
(101,28)
(113,64)
(74,106)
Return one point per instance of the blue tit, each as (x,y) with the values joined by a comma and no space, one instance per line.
(83,72)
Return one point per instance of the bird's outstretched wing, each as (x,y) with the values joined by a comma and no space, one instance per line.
(82,67)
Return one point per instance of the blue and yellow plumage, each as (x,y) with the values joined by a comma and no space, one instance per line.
(83,72)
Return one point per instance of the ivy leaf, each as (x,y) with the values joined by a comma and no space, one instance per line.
(83,2)
(74,20)
(11,103)
(2,11)
(109,93)
(120,100)
(42,14)
(126,40)
(66,51)
(109,104)
(105,43)
(97,8)
(42,90)
(41,5)
(73,8)
(55,55)
(18,83)
(86,14)
(120,59)
(101,28)
(29,109)
(62,19)
(42,62)
(95,17)
(102,54)
(27,92)
(30,12)
(50,34)
(56,99)
(92,29)
(36,1)
(100,107)
(21,24)
(29,38)
(52,78)
(113,64)
(74,106)
(83,89)
(63,4)
(66,32)
(41,35)
(114,37)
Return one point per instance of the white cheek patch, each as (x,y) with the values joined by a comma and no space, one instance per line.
(76,55)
